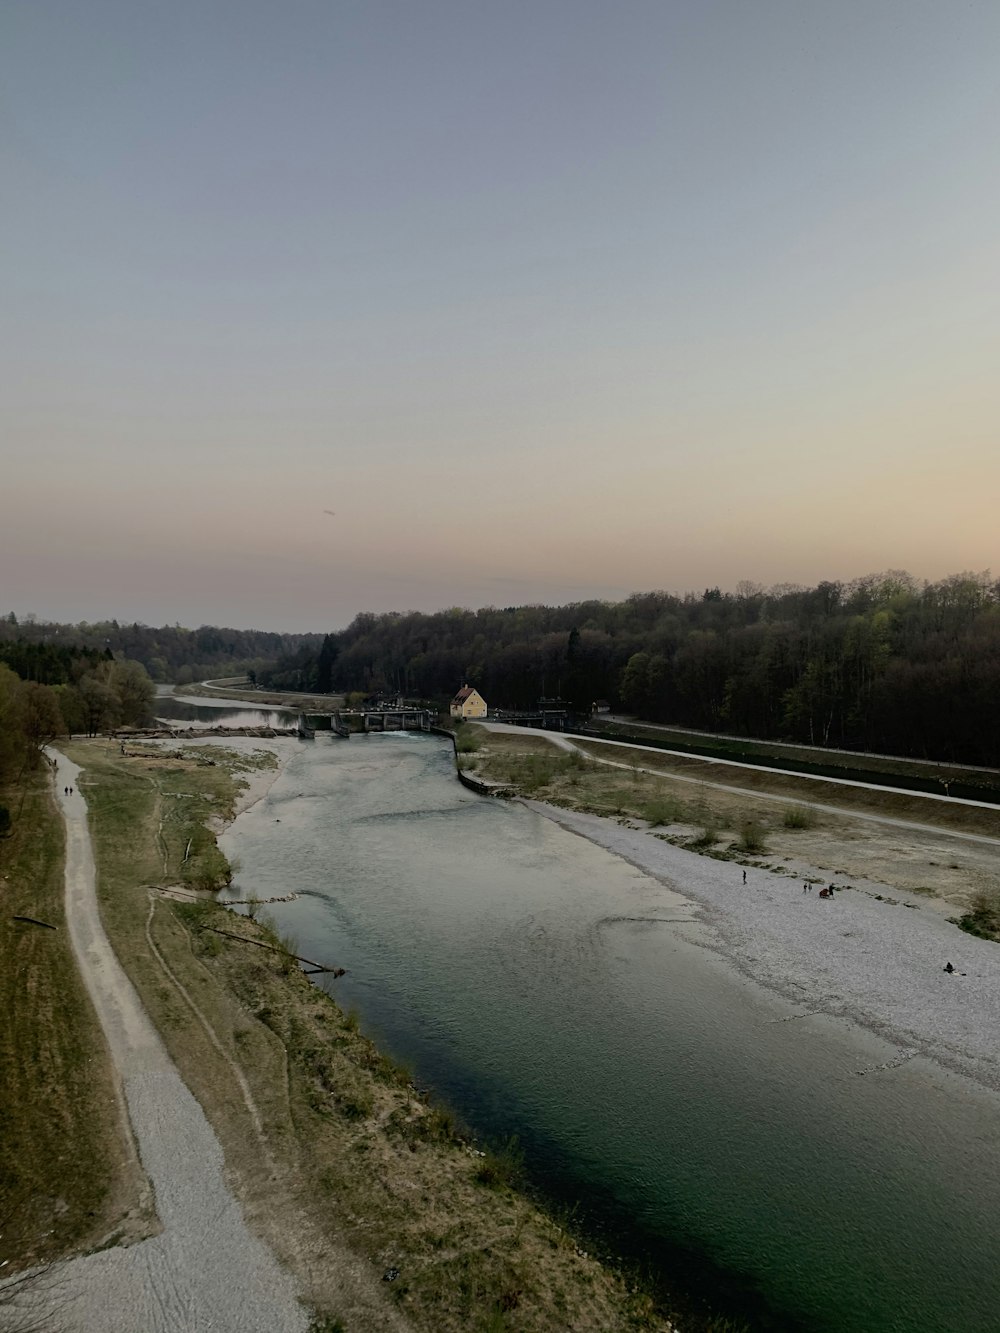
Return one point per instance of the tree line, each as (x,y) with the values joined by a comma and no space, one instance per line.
(882,663)
(169,653)
(60,694)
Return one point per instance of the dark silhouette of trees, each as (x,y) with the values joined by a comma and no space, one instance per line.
(39,650)
(881,663)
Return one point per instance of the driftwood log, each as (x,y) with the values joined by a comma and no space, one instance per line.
(259,944)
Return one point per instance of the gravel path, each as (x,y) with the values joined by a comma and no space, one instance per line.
(206,1271)
(876,963)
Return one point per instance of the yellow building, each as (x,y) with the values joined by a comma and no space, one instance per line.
(468,703)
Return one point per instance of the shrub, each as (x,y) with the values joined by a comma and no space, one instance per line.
(751,837)
(659,812)
(708,837)
(799,817)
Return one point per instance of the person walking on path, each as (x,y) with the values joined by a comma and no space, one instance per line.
(744,877)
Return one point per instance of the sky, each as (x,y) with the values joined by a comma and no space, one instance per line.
(544,300)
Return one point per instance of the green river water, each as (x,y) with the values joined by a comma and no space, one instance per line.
(738,1158)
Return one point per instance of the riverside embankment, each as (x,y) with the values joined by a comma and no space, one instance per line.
(388,1218)
(787,1153)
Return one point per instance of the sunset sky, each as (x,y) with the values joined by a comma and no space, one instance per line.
(545,299)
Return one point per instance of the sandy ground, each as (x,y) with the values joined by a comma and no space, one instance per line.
(206,1270)
(257,782)
(875,963)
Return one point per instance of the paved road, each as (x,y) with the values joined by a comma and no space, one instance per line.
(206,1270)
(913,825)
(624,720)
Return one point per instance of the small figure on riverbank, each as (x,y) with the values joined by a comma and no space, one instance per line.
(744,877)
(805,888)
(948,967)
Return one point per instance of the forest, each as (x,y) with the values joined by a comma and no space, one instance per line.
(882,663)
(169,653)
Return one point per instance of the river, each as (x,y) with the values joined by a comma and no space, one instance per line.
(545,988)
(192,712)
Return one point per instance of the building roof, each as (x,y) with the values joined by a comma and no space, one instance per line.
(464,693)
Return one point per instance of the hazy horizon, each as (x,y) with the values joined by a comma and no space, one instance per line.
(543,302)
(30,614)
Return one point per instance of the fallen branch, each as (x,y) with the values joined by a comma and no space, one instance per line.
(35,922)
(314,967)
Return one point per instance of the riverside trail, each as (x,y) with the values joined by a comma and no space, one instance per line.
(206,1269)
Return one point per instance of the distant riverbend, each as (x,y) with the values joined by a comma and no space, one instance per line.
(547,988)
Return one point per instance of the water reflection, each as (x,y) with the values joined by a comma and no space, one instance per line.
(180,712)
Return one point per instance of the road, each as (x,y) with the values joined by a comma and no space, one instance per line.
(913,825)
(623,720)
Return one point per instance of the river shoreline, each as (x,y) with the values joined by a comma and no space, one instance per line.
(751,1015)
(869,956)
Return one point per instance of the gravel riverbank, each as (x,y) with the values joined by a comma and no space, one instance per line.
(877,963)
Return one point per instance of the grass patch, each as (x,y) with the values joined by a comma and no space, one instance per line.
(983,917)
(742,749)
(799,817)
(501,1168)
(896,804)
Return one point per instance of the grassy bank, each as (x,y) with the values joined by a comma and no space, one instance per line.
(734,748)
(67,1177)
(892,804)
(768,822)
(363,1187)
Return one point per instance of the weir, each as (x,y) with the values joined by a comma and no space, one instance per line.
(397,719)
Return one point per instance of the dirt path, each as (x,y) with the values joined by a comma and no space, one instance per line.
(206,1270)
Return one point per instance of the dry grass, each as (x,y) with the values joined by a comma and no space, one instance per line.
(67,1179)
(673,799)
(727,747)
(895,805)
